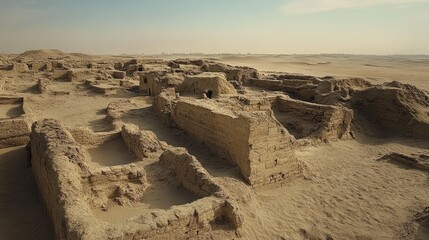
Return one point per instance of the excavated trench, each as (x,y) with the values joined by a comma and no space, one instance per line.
(10,110)
(22,215)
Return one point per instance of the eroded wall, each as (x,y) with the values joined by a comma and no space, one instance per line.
(310,120)
(15,131)
(255,141)
(66,182)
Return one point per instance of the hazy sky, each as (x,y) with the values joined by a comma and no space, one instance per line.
(216,26)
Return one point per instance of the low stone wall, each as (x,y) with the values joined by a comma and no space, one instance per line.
(162,104)
(41,66)
(60,74)
(77,75)
(254,140)
(69,187)
(310,120)
(213,84)
(143,143)
(186,167)
(43,85)
(272,85)
(15,131)
(58,165)
(20,67)
(87,136)
(113,184)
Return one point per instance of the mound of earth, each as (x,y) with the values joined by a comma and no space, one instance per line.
(395,109)
(331,84)
(48,53)
(336,91)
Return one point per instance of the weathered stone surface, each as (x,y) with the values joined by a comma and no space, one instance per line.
(70,188)
(15,131)
(254,140)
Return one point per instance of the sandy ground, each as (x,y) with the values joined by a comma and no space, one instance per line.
(346,194)
(21,213)
(111,153)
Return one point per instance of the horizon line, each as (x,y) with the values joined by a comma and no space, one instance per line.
(221,53)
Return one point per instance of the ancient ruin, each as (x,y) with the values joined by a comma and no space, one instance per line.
(140,148)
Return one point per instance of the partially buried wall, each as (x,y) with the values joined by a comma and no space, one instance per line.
(68,186)
(212,84)
(310,120)
(15,130)
(254,140)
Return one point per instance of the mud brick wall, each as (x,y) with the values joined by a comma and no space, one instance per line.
(272,157)
(60,74)
(255,141)
(333,122)
(143,143)
(87,136)
(272,85)
(198,84)
(15,131)
(112,183)
(189,172)
(76,75)
(224,133)
(55,161)
(63,178)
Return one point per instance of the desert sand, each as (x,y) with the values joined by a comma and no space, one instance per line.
(323,144)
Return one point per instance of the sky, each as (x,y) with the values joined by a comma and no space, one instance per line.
(382,27)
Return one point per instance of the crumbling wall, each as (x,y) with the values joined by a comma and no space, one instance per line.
(271,85)
(216,83)
(69,187)
(120,185)
(143,143)
(240,74)
(60,74)
(186,168)
(15,131)
(272,157)
(162,104)
(348,84)
(41,66)
(118,74)
(394,108)
(309,120)
(77,75)
(255,141)
(58,165)
(153,83)
(223,132)
(43,84)
(87,136)
(20,67)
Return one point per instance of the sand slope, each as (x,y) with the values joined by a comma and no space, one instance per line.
(347,194)
(21,213)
